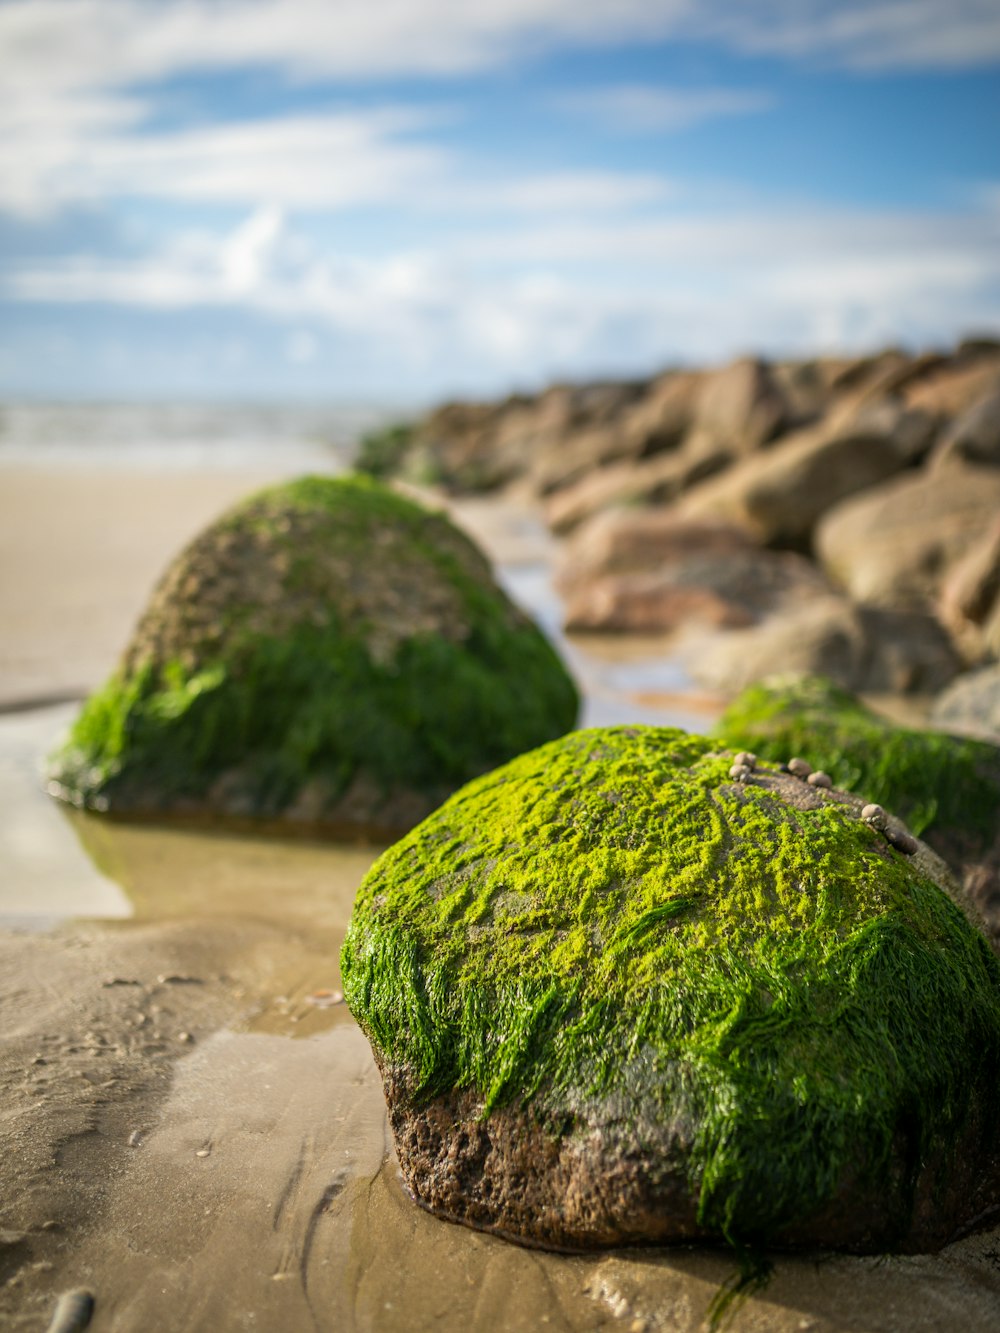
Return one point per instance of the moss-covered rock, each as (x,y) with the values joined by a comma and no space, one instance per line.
(328,654)
(619,995)
(947,788)
(381,453)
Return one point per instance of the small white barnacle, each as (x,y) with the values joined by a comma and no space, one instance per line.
(875,815)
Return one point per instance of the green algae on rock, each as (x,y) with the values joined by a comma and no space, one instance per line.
(328,655)
(928,778)
(946,788)
(617,996)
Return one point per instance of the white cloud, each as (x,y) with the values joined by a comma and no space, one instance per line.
(48,159)
(78,118)
(87,43)
(56,153)
(579,268)
(864,34)
(635,108)
(80,44)
(533,303)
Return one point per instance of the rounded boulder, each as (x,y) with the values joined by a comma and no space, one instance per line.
(328,656)
(624,990)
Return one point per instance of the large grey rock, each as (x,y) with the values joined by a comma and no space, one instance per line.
(780,494)
(970,599)
(662,417)
(861,648)
(739,407)
(656,480)
(975,436)
(971,705)
(955,385)
(893,545)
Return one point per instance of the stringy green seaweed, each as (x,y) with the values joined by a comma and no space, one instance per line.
(308,701)
(929,779)
(610,919)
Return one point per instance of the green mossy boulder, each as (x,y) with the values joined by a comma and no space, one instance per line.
(619,996)
(946,788)
(328,655)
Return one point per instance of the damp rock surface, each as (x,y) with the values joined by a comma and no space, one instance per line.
(328,655)
(619,996)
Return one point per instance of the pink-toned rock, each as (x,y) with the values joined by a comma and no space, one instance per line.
(628,541)
(648,603)
(713,587)
(893,546)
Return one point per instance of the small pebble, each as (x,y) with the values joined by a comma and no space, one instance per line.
(203,1152)
(135,1138)
(323,999)
(819,779)
(185,1037)
(73,1311)
(747,759)
(740,772)
(799,768)
(875,815)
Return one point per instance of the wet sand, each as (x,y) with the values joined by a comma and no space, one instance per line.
(193,1127)
(79,554)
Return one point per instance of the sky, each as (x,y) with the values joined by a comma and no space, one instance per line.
(399,200)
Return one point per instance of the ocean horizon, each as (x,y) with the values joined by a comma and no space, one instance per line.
(181,435)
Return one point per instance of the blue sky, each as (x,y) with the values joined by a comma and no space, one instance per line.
(394,200)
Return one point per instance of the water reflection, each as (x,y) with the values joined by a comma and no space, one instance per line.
(43,877)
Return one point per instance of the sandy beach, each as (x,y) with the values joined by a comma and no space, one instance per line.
(193,1126)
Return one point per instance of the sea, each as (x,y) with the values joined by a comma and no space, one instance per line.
(186,436)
